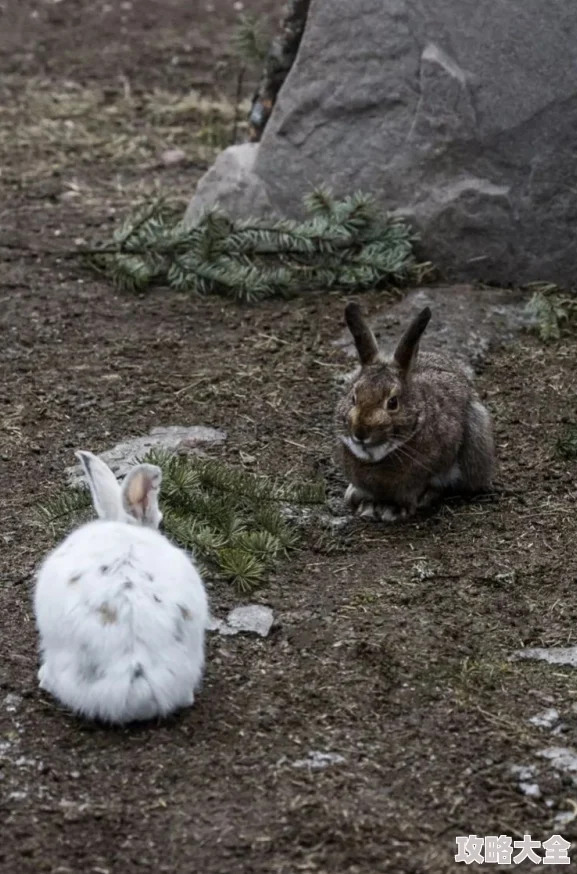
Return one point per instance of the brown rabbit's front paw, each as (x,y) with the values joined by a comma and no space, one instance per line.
(380,512)
(359,502)
(354,497)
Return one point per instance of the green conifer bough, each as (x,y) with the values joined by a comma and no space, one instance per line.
(344,244)
(234,522)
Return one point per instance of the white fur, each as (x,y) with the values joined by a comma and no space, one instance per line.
(388,514)
(121,614)
(367,510)
(377,453)
(379,512)
(373,454)
(482,412)
(350,493)
(354,494)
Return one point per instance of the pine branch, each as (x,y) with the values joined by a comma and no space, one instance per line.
(342,244)
(244,570)
(249,41)
(74,503)
(229,519)
(320,202)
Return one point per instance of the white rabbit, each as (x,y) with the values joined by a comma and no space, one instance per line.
(120,611)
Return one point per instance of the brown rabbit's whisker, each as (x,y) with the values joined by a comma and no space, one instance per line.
(414,459)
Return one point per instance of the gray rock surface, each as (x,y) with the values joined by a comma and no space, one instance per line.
(124,455)
(250,619)
(524,775)
(459,113)
(546,719)
(317,761)
(562,820)
(231,184)
(554,655)
(467,322)
(563,759)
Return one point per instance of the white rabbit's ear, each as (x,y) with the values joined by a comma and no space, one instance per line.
(104,487)
(140,491)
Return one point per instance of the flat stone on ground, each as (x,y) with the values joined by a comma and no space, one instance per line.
(250,619)
(318,761)
(553,655)
(172,437)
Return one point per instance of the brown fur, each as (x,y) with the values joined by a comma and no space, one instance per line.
(436,423)
(108,614)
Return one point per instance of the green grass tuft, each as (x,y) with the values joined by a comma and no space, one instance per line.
(566,445)
(250,42)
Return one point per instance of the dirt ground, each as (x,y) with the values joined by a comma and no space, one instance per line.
(392,646)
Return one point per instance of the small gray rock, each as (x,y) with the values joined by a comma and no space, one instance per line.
(173,157)
(554,655)
(563,759)
(563,818)
(547,719)
(525,775)
(251,619)
(523,772)
(532,790)
(317,761)
(230,181)
(5,747)
(12,702)
(214,624)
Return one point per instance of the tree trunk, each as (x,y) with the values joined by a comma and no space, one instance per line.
(279,60)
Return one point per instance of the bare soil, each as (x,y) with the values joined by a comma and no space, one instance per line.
(392,647)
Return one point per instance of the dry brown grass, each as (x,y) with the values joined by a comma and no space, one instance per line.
(49,128)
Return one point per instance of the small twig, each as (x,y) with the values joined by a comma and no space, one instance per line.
(272,337)
(190,386)
(237,102)
(294,443)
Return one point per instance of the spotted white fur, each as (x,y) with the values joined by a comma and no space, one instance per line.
(121,612)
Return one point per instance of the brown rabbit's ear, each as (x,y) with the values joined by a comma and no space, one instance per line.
(362,335)
(408,345)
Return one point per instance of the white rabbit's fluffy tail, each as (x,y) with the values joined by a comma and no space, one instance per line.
(131,693)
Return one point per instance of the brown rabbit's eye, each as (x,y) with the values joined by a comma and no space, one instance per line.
(354,399)
(393,403)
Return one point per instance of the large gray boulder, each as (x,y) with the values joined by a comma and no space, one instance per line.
(461,114)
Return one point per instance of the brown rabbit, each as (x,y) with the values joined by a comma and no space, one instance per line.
(411,427)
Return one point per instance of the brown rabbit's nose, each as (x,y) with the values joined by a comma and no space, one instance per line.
(360,433)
